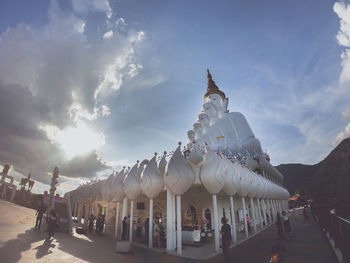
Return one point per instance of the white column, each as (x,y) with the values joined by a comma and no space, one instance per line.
(259,212)
(233,220)
(264,211)
(150,228)
(70,223)
(216,223)
(253,212)
(174,221)
(131,220)
(245,218)
(169,221)
(125,208)
(116,220)
(106,219)
(179,228)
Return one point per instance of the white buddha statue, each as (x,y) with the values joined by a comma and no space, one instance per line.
(204,120)
(227,130)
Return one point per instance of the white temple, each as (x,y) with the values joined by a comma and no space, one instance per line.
(222,172)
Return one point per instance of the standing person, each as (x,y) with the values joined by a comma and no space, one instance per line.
(305,213)
(51,220)
(139,229)
(279,226)
(102,225)
(248,224)
(147,229)
(286,223)
(156,233)
(91,223)
(98,223)
(226,238)
(40,212)
(124,228)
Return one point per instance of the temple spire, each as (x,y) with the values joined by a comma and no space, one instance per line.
(212,88)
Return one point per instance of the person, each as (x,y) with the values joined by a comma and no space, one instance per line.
(305,214)
(51,220)
(156,233)
(139,229)
(279,226)
(124,228)
(248,224)
(286,223)
(98,223)
(147,229)
(226,238)
(102,224)
(40,212)
(91,222)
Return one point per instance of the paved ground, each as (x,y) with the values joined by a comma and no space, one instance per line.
(19,242)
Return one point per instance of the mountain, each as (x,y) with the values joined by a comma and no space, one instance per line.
(327,181)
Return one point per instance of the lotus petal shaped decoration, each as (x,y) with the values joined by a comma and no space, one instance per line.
(179,175)
(117,191)
(213,172)
(232,182)
(132,183)
(151,179)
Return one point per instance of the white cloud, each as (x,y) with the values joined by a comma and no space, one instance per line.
(343,11)
(108,34)
(343,135)
(50,77)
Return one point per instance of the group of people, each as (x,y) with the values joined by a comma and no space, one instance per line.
(51,220)
(158,231)
(99,222)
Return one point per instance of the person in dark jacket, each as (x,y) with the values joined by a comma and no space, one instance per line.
(91,222)
(40,212)
(279,226)
(124,228)
(147,229)
(51,220)
(226,238)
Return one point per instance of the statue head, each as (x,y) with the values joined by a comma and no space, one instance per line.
(204,120)
(198,129)
(216,99)
(191,135)
(210,109)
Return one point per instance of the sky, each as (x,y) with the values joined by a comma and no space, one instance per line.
(93,85)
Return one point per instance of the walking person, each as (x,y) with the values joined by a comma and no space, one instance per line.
(124,228)
(286,223)
(91,222)
(139,229)
(51,220)
(248,224)
(40,212)
(226,238)
(279,226)
(146,229)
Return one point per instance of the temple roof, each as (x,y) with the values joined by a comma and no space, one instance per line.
(212,88)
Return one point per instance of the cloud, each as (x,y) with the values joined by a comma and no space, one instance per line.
(108,34)
(343,135)
(53,76)
(343,11)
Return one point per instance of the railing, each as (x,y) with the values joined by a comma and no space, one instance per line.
(337,227)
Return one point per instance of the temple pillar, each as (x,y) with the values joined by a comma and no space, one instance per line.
(174,221)
(125,208)
(69,208)
(245,218)
(253,213)
(150,233)
(233,220)
(179,227)
(259,212)
(116,221)
(106,219)
(131,220)
(169,221)
(216,223)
